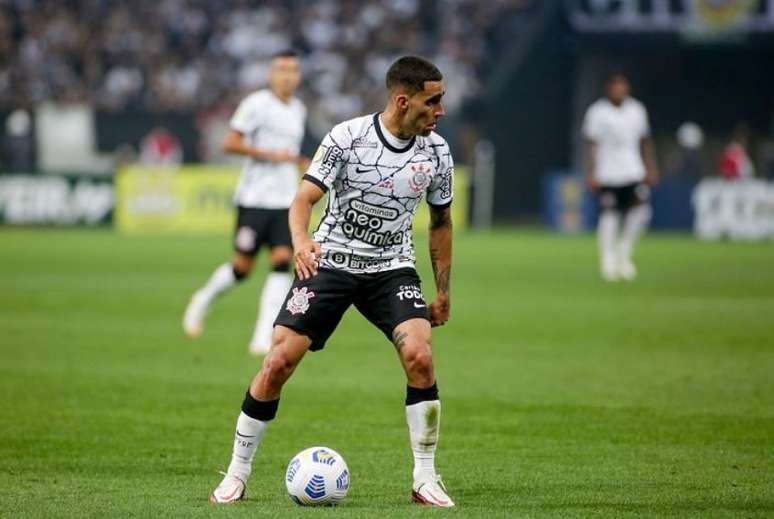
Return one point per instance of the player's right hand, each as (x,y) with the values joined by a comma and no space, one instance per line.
(592,183)
(307,255)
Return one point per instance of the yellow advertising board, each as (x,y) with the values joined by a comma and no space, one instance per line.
(199,199)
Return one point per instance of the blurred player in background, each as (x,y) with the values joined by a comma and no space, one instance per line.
(376,169)
(267,128)
(620,169)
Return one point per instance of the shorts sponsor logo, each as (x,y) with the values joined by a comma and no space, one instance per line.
(299,301)
(245,238)
(409,293)
(608,200)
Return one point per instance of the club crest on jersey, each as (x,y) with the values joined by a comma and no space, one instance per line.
(299,301)
(421,177)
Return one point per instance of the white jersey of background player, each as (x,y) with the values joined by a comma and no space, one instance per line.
(620,169)
(267,129)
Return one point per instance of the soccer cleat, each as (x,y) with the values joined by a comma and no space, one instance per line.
(627,271)
(431,493)
(195,312)
(230,490)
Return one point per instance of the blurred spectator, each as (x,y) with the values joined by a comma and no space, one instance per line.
(193,54)
(18,147)
(687,161)
(735,163)
(161,148)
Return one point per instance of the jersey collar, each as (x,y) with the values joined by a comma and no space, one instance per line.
(378,127)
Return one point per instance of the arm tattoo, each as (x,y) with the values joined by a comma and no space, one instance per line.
(399,339)
(442,275)
(440,218)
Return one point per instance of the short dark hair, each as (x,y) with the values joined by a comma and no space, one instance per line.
(411,72)
(287,53)
(616,75)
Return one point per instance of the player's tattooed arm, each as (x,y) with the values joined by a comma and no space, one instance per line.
(440,238)
(306,252)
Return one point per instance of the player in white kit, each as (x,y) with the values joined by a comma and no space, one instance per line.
(267,128)
(620,169)
(376,169)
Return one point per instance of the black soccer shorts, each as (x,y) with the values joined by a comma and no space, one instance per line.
(314,306)
(623,198)
(256,227)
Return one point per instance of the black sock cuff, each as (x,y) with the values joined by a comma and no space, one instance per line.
(415,395)
(281,267)
(259,410)
(239,276)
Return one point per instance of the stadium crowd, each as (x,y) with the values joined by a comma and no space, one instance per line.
(180,55)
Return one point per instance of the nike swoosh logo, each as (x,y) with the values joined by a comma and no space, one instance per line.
(364,170)
(419,306)
(244,435)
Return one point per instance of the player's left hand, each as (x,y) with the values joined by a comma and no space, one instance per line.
(439,311)
(651,178)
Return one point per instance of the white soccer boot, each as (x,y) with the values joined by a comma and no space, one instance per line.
(230,490)
(431,492)
(627,271)
(609,270)
(193,318)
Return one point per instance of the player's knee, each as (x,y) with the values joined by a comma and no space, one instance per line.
(277,366)
(242,267)
(419,359)
(281,267)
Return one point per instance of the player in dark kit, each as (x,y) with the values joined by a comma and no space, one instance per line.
(376,169)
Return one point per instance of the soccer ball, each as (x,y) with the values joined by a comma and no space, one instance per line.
(317,476)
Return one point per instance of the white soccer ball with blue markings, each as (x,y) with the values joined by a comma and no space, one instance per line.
(317,476)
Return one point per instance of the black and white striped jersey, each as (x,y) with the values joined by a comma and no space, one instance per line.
(375,183)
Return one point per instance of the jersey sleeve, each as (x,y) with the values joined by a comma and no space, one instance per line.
(440,192)
(590,128)
(329,160)
(247,116)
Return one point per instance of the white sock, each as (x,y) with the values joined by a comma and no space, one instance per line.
(607,234)
(249,433)
(275,288)
(221,280)
(635,223)
(424,423)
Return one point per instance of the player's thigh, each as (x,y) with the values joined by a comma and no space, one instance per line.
(391,298)
(280,255)
(242,262)
(413,345)
(315,306)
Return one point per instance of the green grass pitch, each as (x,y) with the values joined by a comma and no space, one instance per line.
(563,396)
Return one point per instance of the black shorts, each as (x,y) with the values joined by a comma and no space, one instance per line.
(256,227)
(314,306)
(623,198)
